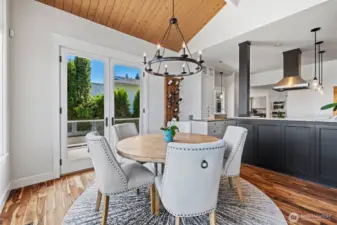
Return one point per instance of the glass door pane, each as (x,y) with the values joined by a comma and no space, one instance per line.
(126,94)
(83,89)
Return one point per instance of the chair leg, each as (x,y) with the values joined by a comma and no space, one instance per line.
(153,198)
(238,188)
(157,203)
(212,218)
(98,201)
(230,181)
(105,210)
(137,191)
(162,168)
(177,220)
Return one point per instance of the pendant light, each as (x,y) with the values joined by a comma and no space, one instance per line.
(221,95)
(319,87)
(321,72)
(315,81)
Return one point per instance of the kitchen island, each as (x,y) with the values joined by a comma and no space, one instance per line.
(299,147)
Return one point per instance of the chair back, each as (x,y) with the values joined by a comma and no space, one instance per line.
(235,138)
(110,177)
(191,178)
(120,132)
(184,126)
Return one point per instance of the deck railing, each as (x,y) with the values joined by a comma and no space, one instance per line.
(77,129)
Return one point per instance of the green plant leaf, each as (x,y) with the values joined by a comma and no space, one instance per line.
(164,128)
(329,106)
(174,130)
(174,127)
(335,109)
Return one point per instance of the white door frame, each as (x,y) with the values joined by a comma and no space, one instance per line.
(69,166)
(59,41)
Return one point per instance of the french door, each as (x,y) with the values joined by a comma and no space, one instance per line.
(96,93)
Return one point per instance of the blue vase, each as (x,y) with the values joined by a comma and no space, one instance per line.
(168,136)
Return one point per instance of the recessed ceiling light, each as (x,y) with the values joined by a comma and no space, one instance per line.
(220,61)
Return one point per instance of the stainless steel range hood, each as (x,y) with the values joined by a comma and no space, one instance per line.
(292,72)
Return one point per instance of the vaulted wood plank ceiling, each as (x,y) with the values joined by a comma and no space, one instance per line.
(145,19)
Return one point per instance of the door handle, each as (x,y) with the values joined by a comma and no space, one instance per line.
(112,121)
(106,121)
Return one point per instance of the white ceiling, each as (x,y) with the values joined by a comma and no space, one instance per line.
(290,33)
(241,16)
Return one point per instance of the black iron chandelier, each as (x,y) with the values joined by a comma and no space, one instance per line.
(185,62)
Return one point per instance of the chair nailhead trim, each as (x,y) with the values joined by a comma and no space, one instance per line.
(192,214)
(195,149)
(165,172)
(113,162)
(121,192)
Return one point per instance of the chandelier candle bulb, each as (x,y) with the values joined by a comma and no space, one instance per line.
(166,73)
(158,51)
(184,55)
(144,58)
(184,72)
(200,57)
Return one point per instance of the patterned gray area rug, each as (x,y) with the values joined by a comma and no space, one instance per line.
(132,209)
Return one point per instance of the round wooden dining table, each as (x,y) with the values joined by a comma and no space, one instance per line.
(151,148)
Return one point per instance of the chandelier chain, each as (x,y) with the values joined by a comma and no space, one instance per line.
(178,29)
(168,36)
(173,8)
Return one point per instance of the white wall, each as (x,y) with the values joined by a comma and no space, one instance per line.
(307,103)
(248,15)
(300,103)
(31,90)
(191,93)
(230,94)
(4,118)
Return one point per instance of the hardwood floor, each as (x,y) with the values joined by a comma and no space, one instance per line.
(48,202)
(316,204)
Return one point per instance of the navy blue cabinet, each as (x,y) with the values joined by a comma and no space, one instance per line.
(304,149)
(298,147)
(326,154)
(269,145)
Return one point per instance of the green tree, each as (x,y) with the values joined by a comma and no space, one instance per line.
(136,104)
(137,76)
(122,104)
(93,109)
(71,90)
(79,86)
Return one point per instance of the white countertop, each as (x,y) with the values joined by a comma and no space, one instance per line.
(285,119)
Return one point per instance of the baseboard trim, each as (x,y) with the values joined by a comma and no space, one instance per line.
(3,199)
(26,181)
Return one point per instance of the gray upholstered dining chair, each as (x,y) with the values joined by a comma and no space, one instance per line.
(120,132)
(190,184)
(235,138)
(113,178)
